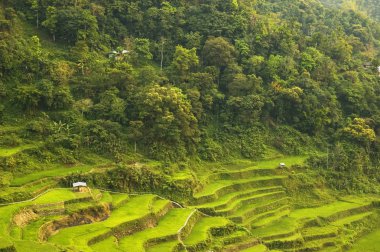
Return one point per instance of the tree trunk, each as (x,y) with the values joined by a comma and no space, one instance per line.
(162,53)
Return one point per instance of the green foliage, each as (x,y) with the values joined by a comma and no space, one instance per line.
(181,80)
(5,179)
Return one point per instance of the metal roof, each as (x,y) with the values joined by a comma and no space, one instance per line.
(77,184)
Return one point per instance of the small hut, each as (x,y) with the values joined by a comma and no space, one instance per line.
(282,165)
(80,187)
(367,65)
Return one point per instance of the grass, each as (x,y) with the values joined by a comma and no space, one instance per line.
(245,209)
(6,214)
(250,200)
(163,247)
(107,245)
(368,243)
(56,172)
(30,231)
(134,209)
(257,248)
(282,226)
(326,210)
(320,231)
(212,188)
(271,216)
(169,225)
(31,246)
(274,163)
(12,151)
(230,197)
(352,218)
(59,195)
(200,231)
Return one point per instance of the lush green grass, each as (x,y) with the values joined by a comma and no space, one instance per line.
(30,231)
(274,163)
(4,243)
(134,209)
(352,218)
(56,172)
(318,231)
(31,246)
(6,214)
(107,245)
(59,195)
(327,210)
(6,152)
(219,184)
(257,248)
(282,226)
(227,198)
(200,231)
(272,216)
(249,207)
(168,225)
(163,247)
(253,199)
(368,243)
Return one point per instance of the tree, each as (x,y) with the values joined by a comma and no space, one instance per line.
(83,105)
(134,131)
(61,72)
(111,106)
(141,50)
(27,97)
(217,51)
(360,131)
(51,20)
(170,128)
(183,61)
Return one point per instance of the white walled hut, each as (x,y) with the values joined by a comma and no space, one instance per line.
(80,187)
(282,165)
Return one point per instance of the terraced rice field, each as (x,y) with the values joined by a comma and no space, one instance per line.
(239,210)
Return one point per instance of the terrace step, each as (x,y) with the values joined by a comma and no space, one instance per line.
(285,227)
(225,200)
(315,233)
(248,211)
(331,212)
(248,243)
(166,230)
(257,248)
(249,201)
(315,245)
(171,246)
(244,173)
(219,188)
(289,242)
(353,219)
(136,214)
(269,217)
(201,234)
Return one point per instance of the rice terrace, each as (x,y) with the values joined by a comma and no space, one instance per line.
(198,126)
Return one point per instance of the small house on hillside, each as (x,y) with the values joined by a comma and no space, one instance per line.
(282,165)
(367,64)
(80,187)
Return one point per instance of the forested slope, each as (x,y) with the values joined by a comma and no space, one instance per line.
(178,81)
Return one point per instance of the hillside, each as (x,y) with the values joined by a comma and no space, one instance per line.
(177,114)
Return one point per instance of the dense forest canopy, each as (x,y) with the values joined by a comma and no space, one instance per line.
(177,80)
